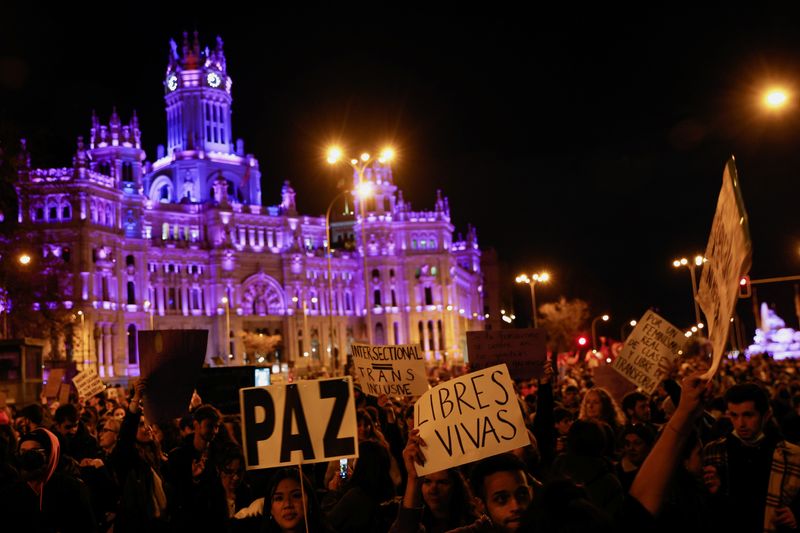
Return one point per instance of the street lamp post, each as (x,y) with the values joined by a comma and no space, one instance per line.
(83,338)
(622,335)
(692,265)
(604,318)
(148,307)
(227,351)
(362,193)
(542,277)
(361,165)
(24,260)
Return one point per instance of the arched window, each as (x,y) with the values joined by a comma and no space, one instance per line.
(66,211)
(428,296)
(52,212)
(430,335)
(441,334)
(394,298)
(127,171)
(380,336)
(133,351)
(130,261)
(421,336)
(376,275)
(131,293)
(377,296)
(396,329)
(164,194)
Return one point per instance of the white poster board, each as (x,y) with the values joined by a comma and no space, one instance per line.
(728,255)
(524,351)
(397,370)
(468,418)
(649,352)
(88,383)
(309,421)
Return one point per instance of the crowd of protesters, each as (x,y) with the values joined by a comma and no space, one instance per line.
(695,455)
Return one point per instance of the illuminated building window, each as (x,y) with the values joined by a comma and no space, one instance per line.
(430,335)
(172,299)
(133,352)
(413,244)
(394,298)
(434,270)
(131,293)
(377,297)
(428,296)
(421,335)
(66,212)
(52,213)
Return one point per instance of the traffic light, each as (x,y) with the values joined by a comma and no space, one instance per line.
(582,341)
(744,287)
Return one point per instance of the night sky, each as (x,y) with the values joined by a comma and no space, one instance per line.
(590,144)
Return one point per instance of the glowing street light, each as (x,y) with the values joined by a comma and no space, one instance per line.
(224,300)
(698,261)
(776,98)
(532,280)
(604,318)
(360,165)
(24,259)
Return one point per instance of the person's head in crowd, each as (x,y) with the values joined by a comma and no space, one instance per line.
(447,499)
(636,407)
(366,427)
(231,469)
(598,404)
(563,420)
(564,506)
(29,418)
(98,401)
(89,418)
(285,501)
(8,443)
(39,453)
(371,472)
(748,409)
(374,415)
(570,395)
(637,440)
(206,423)
(717,407)
(588,438)
(503,490)
(186,426)
(66,420)
(108,433)
(118,413)
(530,403)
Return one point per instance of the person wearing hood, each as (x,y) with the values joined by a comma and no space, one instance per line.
(44,498)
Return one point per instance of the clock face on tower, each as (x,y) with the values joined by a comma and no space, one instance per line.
(172,82)
(213,79)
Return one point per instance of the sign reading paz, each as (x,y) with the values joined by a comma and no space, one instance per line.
(392,370)
(309,421)
(466,419)
(728,255)
(523,350)
(88,383)
(649,352)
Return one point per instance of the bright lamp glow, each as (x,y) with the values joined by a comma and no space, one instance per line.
(582,341)
(364,189)
(698,260)
(365,157)
(776,98)
(605,318)
(633,323)
(224,299)
(24,259)
(334,154)
(387,155)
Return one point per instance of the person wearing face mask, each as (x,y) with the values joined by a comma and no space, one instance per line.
(43,498)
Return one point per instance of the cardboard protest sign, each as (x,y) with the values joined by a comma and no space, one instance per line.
(728,255)
(397,370)
(54,380)
(468,418)
(523,350)
(88,383)
(309,421)
(170,360)
(615,383)
(649,352)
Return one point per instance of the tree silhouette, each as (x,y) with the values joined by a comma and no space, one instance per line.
(563,321)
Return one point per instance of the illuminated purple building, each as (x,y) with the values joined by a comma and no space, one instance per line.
(165,242)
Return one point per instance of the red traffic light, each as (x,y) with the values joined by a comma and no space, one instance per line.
(582,341)
(744,287)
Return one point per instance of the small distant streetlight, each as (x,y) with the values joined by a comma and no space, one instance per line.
(532,280)
(699,260)
(24,259)
(604,318)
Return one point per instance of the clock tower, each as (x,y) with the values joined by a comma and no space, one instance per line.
(198,99)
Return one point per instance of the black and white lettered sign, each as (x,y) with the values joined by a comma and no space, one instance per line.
(728,255)
(88,383)
(649,352)
(308,421)
(397,370)
(466,419)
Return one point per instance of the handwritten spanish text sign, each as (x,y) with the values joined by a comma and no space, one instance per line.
(468,418)
(649,352)
(728,257)
(523,350)
(397,370)
(88,383)
(309,421)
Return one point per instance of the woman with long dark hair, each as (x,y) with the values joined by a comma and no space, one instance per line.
(285,503)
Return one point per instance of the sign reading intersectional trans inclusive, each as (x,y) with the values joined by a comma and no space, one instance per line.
(396,370)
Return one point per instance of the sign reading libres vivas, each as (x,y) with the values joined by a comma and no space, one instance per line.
(396,370)
(309,421)
(468,418)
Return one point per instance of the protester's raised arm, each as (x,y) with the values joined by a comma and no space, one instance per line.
(654,476)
